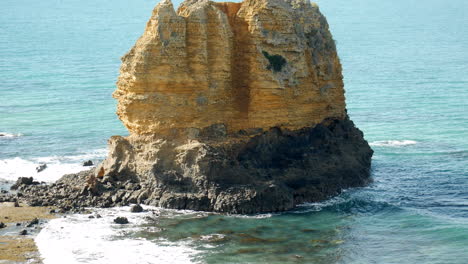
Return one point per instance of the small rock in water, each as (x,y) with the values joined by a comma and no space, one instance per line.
(91,217)
(88,163)
(23,232)
(136,209)
(35,221)
(121,220)
(2,225)
(98,216)
(18,224)
(41,167)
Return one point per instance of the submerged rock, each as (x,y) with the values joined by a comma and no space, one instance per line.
(231,107)
(41,167)
(33,222)
(88,163)
(136,209)
(121,220)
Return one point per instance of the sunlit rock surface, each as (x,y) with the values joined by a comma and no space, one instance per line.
(231,107)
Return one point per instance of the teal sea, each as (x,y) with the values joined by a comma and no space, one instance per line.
(405,64)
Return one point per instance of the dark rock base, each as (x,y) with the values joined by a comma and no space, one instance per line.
(270,172)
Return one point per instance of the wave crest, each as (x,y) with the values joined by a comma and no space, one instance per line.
(57,166)
(393,143)
(100,240)
(9,135)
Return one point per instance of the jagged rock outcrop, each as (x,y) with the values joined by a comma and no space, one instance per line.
(231,107)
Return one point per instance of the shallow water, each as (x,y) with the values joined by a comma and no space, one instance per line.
(405,65)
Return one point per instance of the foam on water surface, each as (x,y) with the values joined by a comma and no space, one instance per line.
(5,135)
(57,166)
(393,143)
(79,239)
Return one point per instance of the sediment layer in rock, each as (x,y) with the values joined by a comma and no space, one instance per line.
(255,64)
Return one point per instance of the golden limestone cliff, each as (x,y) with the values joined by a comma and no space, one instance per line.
(231,107)
(255,64)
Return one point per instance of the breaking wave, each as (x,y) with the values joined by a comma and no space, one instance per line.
(80,239)
(393,143)
(57,166)
(9,135)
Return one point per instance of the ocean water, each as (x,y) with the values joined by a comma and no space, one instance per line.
(405,64)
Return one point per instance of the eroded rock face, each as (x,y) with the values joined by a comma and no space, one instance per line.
(231,107)
(255,64)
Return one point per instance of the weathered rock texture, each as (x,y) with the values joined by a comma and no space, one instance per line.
(255,64)
(231,107)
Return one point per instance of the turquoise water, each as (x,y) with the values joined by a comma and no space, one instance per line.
(405,65)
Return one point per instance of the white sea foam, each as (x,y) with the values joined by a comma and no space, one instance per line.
(393,143)
(11,169)
(256,216)
(9,135)
(318,206)
(78,239)
(57,166)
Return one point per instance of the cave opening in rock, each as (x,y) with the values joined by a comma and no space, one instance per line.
(276,61)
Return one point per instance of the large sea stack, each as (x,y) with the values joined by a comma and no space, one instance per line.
(231,107)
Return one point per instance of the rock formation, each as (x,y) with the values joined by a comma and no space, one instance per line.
(251,65)
(231,107)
